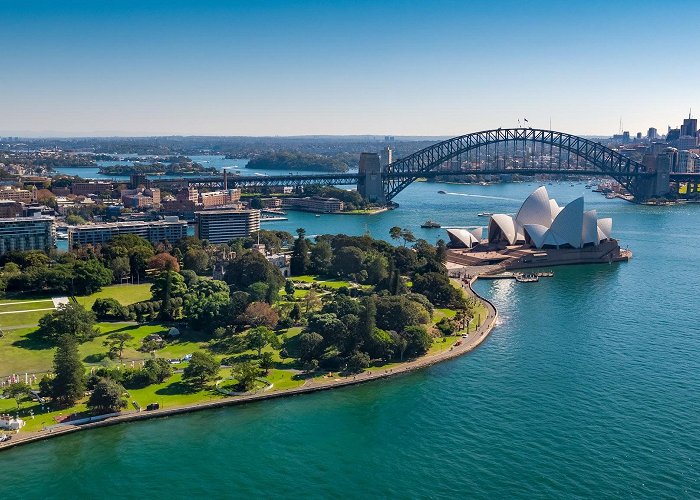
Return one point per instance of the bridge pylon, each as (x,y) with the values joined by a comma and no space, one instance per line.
(370,184)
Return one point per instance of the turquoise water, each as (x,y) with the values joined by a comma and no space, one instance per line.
(588,387)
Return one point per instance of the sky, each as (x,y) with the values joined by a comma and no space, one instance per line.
(429,68)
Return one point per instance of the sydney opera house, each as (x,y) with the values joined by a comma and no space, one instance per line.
(540,233)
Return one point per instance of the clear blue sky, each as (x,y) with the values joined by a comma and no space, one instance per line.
(336,67)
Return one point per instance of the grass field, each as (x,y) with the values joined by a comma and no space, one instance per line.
(125,294)
(36,308)
(7,306)
(332,283)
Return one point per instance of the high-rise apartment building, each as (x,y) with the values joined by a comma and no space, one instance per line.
(170,228)
(27,233)
(223,225)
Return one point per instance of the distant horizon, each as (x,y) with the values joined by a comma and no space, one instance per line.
(117,135)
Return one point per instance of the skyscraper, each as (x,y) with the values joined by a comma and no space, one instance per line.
(652,134)
(690,127)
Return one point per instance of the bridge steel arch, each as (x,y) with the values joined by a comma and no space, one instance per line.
(629,173)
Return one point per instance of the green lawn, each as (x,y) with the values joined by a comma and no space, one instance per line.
(125,294)
(321,280)
(24,305)
(173,392)
(21,319)
(439,345)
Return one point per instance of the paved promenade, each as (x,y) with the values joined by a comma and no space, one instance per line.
(473,340)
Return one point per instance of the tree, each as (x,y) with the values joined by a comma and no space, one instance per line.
(377,267)
(266,361)
(348,261)
(168,285)
(395,233)
(321,258)
(357,362)
(206,304)
(116,342)
(164,262)
(299,262)
(120,267)
(106,397)
(418,340)
(310,365)
(251,267)
(260,314)
(197,260)
(18,391)
(396,312)
(309,345)
(245,373)
(75,220)
(380,344)
(202,368)
(260,337)
(368,319)
(109,309)
(69,319)
(311,301)
(289,288)
(295,313)
(89,276)
(439,290)
(68,384)
(407,236)
(158,369)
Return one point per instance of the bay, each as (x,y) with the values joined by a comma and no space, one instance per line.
(588,387)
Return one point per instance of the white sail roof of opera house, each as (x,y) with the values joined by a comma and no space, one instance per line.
(465,237)
(542,222)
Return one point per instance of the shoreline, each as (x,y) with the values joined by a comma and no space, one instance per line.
(468,344)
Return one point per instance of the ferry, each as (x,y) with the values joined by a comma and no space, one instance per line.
(430,224)
(526,278)
(484,214)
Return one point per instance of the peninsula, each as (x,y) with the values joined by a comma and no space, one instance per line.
(354,310)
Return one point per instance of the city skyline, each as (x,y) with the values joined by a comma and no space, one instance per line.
(360,68)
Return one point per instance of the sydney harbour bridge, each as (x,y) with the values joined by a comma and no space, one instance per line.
(515,151)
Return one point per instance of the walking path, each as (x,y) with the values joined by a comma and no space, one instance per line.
(473,340)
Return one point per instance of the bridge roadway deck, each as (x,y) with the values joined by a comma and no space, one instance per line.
(352,178)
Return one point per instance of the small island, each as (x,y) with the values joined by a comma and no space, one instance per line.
(291,162)
(179,165)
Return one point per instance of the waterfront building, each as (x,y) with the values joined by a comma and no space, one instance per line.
(542,223)
(91,187)
(218,198)
(27,233)
(170,228)
(465,238)
(271,202)
(10,208)
(686,162)
(223,225)
(141,197)
(314,204)
(14,194)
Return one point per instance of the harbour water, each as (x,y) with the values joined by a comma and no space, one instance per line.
(587,388)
